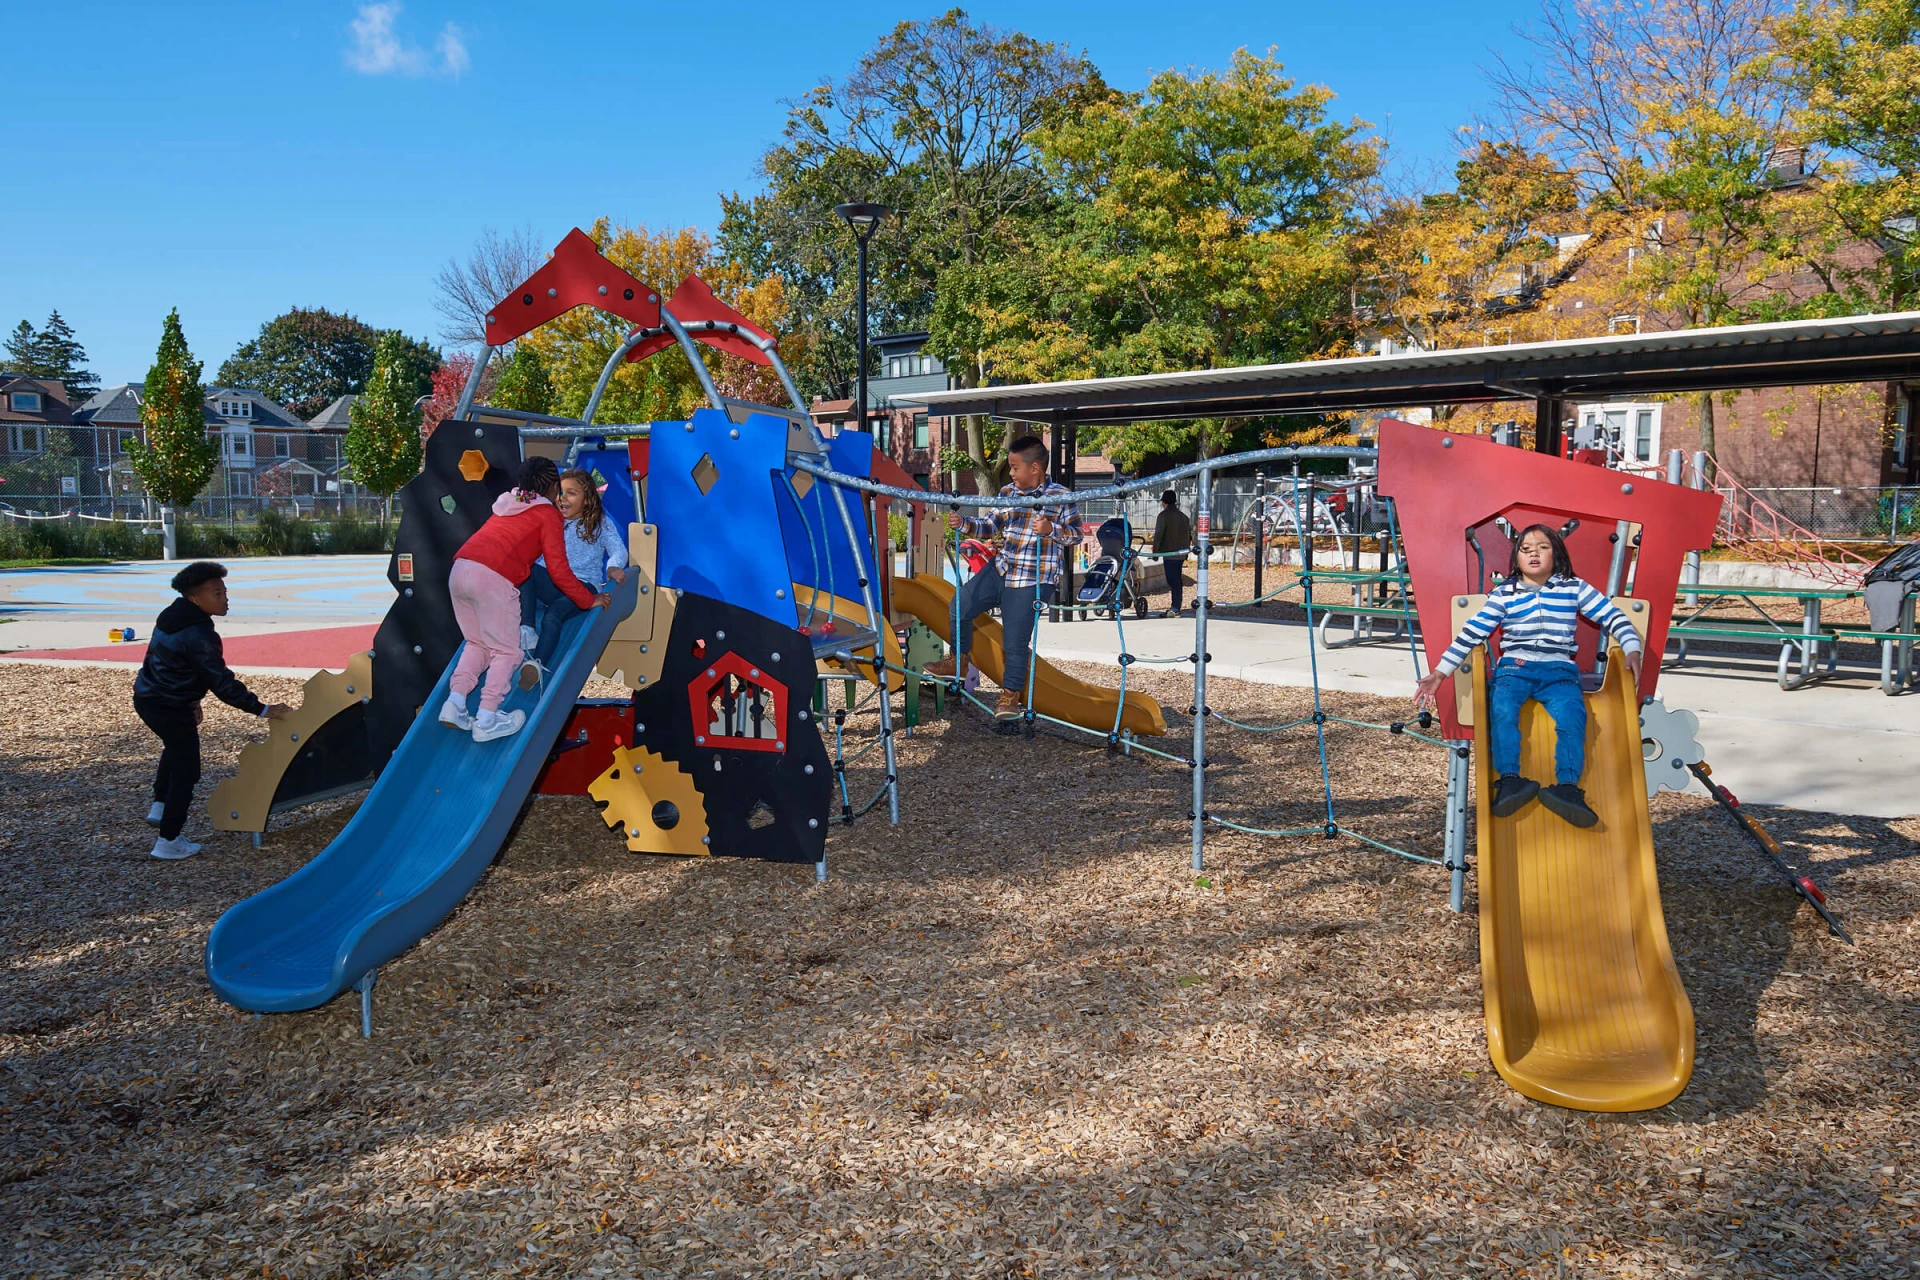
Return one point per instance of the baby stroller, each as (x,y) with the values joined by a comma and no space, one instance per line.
(1108,583)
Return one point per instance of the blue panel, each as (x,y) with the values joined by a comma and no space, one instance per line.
(818,551)
(432,824)
(726,543)
(615,467)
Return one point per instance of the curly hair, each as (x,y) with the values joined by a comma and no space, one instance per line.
(592,513)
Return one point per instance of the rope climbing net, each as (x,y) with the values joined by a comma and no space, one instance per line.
(1330,823)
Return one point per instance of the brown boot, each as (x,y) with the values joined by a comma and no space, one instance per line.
(1011,705)
(945,669)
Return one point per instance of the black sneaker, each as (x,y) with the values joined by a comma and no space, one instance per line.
(1570,803)
(1512,794)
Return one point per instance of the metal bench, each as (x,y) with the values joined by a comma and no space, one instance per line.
(1807,643)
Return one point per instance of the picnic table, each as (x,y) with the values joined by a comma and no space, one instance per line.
(1382,595)
(1802,643)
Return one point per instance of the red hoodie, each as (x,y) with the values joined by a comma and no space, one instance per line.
(520,532)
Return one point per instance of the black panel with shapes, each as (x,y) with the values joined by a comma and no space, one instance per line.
(467,466)
(769,796)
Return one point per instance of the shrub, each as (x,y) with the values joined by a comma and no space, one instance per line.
(352,536)
(276,534)
(76,540)
(193,540)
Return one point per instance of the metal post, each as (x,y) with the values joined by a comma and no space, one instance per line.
(473,383)
(1259,534)
(692,352)
(1203,536)
(365,987)
(1459,782)
(1690,575)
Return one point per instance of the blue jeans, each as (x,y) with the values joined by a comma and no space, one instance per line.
(537,590)
(1555,686)
(982,592)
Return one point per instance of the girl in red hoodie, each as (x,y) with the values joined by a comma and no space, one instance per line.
(485,582)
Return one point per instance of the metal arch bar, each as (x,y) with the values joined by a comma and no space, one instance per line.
(473,383)
(1161,480)
(692,352)
(632,340)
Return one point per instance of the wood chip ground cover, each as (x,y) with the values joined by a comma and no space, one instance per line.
(1013,1036)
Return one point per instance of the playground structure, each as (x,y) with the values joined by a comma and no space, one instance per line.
(752,536)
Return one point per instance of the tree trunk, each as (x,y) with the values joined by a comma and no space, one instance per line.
(169,544)
(1706,433)
(984,479)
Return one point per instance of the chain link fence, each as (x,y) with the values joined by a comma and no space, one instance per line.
(46,471)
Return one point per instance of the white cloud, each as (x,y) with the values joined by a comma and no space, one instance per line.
(453,51)
(376,49)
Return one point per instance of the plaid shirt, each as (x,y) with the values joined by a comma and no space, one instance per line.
(1028,558)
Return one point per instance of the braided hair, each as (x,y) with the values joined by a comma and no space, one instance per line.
(538,477)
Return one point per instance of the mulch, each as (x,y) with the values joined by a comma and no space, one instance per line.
(1015,1035)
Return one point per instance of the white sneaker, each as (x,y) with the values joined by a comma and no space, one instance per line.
(454,715)
(529,639)
(531,673)
(157,814)
(175,849)
(489,725)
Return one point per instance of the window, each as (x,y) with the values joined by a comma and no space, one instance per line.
(238,446)
(881,427)
(240,484)
(1902,429)
(236,408)
(283,446)
(920,432)
(24,439)
(26,401)
(1630,433)
(1623,324)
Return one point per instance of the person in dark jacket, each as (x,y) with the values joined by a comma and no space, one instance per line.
(1172,532)
(184,664)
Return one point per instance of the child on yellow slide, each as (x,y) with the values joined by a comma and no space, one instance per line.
(1536,610)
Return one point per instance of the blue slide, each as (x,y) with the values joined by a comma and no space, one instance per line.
(421,839)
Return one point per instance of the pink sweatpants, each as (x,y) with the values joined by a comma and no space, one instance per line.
(487,608)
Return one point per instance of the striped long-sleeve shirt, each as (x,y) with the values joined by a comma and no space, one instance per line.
(1028,557)
(1537,624)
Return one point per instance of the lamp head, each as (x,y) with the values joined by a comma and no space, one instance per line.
(864,218)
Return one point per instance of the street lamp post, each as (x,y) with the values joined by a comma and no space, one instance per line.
(865,219)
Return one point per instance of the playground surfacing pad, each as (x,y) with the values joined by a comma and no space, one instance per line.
(327,647)
(1010,1036)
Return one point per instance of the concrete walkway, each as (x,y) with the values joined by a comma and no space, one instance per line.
(1836,746)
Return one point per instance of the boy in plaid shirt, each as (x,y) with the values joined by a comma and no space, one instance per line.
(1027,570)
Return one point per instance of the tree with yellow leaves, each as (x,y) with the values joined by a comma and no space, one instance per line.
(576,346)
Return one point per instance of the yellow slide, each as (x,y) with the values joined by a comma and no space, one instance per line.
(1584,1007)
(1055,693)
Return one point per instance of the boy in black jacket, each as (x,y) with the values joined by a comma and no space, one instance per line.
(184,663)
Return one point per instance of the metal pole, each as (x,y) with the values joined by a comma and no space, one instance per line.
(692,352)
(1459,777)
(473,383)
(633,340)
(861,390)
(1691,574)
(1203,536)
(1259,534)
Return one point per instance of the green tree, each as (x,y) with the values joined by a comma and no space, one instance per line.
(1202,223)
(52,352)
(935,121)
(383,432)
(524,384)
(309,357)
(20,348)
(1854,69)
(175,459)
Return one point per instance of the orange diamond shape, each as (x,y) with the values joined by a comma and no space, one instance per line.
(473,465)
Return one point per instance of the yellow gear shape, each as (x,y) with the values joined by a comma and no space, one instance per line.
(635,786)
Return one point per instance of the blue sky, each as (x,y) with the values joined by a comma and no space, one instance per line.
(238,159)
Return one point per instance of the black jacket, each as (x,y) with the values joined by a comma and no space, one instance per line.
(185,662)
